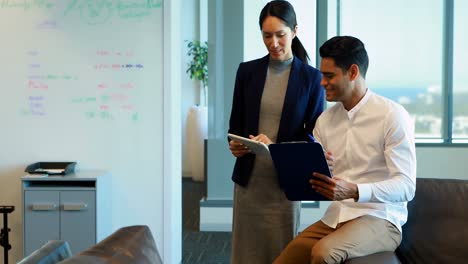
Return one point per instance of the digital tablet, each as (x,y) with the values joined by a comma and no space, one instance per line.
(257,147)
(295,163)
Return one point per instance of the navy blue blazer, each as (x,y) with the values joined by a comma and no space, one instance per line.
(303,103)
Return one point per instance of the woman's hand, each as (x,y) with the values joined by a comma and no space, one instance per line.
(238,149)
(261,138)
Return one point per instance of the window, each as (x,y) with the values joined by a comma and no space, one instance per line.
(404,41)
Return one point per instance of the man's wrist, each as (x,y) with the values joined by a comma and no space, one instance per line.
(356,193)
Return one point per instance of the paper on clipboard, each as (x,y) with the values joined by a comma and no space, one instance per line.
(257,147)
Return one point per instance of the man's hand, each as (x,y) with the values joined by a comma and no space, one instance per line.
(330,161)
(334,189)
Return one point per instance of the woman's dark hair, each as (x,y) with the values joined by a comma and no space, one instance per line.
(346,50)
(285,11)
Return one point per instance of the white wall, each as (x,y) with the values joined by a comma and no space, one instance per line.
(442,162)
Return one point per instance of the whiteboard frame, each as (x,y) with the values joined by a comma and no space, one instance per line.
(172,219)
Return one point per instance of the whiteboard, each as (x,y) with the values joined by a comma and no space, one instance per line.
(82,80)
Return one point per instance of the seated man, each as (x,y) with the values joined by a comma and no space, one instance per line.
(370,147)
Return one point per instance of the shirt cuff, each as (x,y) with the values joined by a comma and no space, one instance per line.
(365,192)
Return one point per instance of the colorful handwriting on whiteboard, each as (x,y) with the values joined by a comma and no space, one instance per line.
(113,102)
(107,115)
(105,53)
(52,77)
(107,100)
(47,24)
(37,85)
(35,106)
(115,66)
(95,12)
(126,86)
(28,4)
(91,12)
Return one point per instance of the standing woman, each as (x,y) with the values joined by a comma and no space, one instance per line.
(277,98)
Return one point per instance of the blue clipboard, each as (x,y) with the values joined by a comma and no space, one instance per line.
(295,163)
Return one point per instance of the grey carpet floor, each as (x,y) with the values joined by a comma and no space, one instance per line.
(200,247)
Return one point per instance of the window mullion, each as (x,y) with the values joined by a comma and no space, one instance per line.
(447,72)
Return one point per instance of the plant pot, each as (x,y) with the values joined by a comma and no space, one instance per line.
(196,133)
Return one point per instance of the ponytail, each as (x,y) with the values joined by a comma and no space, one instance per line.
(299,50)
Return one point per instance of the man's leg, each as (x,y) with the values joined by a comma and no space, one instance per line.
(299,249)
(362,236)
(320,243)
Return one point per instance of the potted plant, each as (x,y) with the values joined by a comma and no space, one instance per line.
(198,66)
(197,117)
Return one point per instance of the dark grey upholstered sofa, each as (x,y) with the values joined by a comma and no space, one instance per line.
(131,244)
(437,227)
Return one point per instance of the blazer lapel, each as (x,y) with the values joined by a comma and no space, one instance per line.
(255,92)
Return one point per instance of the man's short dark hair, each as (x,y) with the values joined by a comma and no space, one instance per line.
(345,51)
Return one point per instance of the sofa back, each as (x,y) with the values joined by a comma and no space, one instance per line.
(53,251)
(130,244)
(437,227)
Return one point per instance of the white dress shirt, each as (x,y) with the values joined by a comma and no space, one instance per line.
(373,145)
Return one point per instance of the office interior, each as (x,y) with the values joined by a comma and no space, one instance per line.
(231,30)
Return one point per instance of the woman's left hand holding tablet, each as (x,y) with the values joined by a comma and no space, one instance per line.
(238,149)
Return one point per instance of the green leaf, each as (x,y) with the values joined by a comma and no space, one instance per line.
(198,65)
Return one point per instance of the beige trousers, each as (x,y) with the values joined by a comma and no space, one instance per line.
(320,243)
